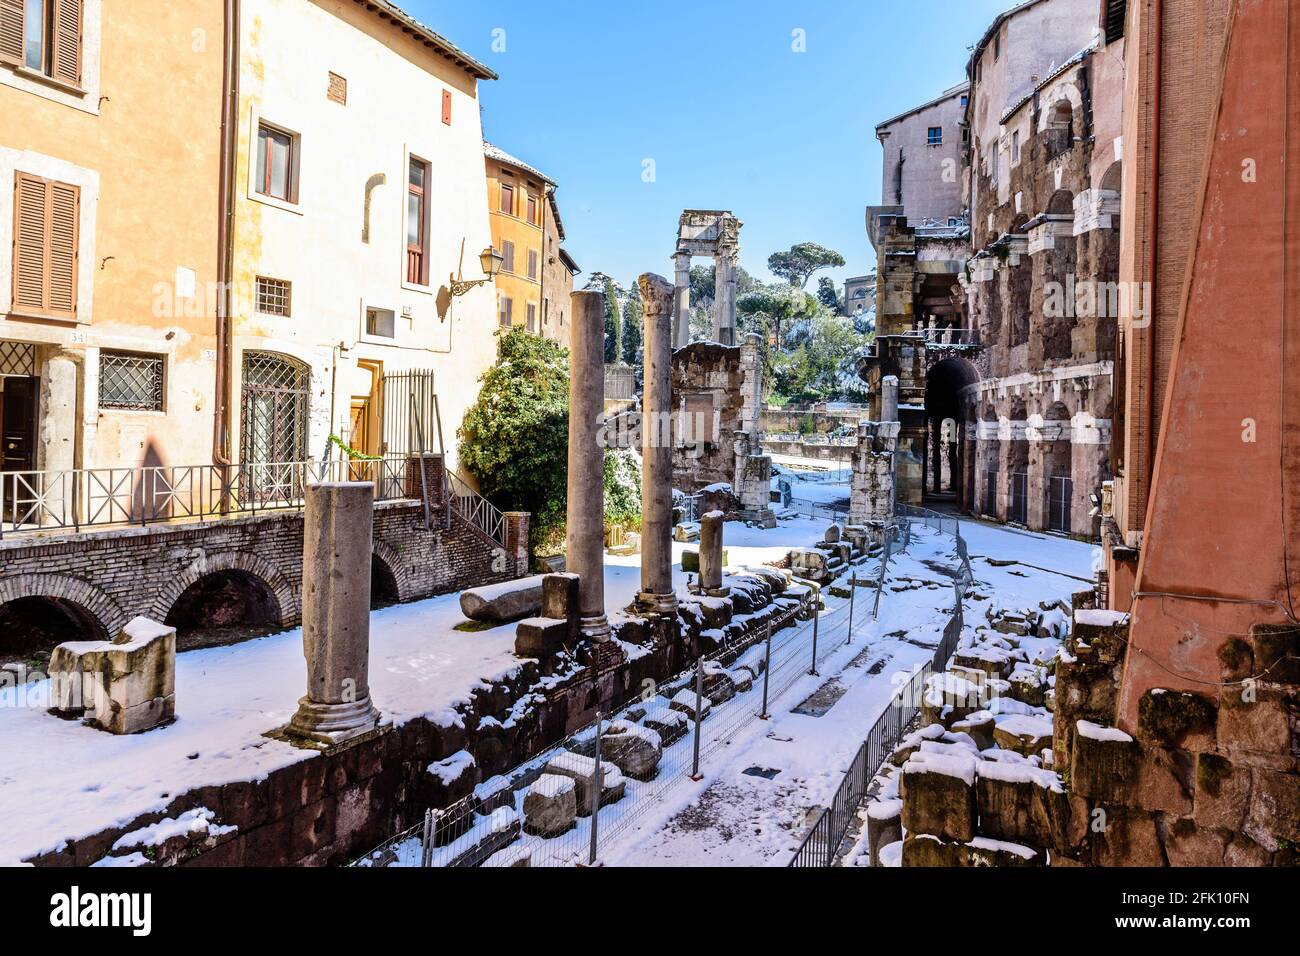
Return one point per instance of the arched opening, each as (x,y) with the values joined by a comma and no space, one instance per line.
(1059,134)
(1017,465)
(383,584)
(1058,468)
(224,607)
(944,408)
(31,627)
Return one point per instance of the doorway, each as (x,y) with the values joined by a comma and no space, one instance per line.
(18,404)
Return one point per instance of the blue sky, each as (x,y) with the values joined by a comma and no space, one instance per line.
(714,94)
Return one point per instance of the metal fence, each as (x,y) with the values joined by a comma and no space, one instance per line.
(486,829)
(475,509)
(34,501)
(1060,493)
(817,509)
(822,842)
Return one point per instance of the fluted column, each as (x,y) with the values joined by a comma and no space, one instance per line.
(657,449)
(585,526)
(682,301)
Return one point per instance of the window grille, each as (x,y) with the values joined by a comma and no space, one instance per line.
(130,381)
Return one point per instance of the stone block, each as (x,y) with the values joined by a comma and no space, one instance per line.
(582,771)
(123,686)
(540,636)
(1222,793)
(1104,763)
(884,826)
(560,596)
(1168,718)
(671,725)
(550,805)
(633,748)
(1164,781)
(938,794)
(978,726)
(1025,734)
(684,702)
(1263,718)
(690,561)
(1022,803)
(1273,819)
(504,602)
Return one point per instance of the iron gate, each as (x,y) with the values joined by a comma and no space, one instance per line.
(991,493)
(410,413)
(1060,492)
(1019,510)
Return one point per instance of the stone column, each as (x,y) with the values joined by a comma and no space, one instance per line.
(724,294)
(711,526)
(889,398)
(585,535)
(682,301)
(657,449)
(338,524)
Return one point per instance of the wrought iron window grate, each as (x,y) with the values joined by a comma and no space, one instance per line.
(130,381)
(273,296)
(17,358)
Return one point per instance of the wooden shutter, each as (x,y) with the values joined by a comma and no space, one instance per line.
(446,107)
(65,62)
(11,31)
(45,246)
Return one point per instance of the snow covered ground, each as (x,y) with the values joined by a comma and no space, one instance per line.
(755,818)
(60,779)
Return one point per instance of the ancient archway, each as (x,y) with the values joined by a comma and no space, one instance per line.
(31,627)
(945,382)
(95,614)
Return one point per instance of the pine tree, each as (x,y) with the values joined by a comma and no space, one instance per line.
(613,325)
(633,321)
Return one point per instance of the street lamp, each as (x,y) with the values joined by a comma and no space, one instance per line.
(491,261)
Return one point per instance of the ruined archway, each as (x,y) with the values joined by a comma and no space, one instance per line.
(223,607)
(945,401)
(31,627)
(68,605)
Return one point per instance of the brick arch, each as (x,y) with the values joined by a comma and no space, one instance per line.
(401,571)
(260,568)
(103,610)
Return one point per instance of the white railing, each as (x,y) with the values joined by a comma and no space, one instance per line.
(476,510)
(36,501)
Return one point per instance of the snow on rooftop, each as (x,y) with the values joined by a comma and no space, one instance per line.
(1093,731)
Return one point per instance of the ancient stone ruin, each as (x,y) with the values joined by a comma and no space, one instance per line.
(124,686)
(714,233)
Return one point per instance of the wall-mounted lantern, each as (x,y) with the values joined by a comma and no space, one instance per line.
(491,261)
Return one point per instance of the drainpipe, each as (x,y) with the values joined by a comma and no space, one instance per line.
(1153,221)
(221,452)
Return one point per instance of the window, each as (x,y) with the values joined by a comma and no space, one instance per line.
(533,259)
(131,381)
(1015,146)
(934,136)
(417,264)
(45,246)
(505,311)
(380,322)
(273,296)
(507,256)
(532,209)
(277,164)
(532,316)
(507,199)
(997,47)
(337,91)
(43,35)
(964,101)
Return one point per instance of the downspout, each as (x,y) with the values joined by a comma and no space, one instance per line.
(221,452)
(1153,221)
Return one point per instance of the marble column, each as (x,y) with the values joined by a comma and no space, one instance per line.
(711,526)
(889,398)
(682,301)
(724,293)
(338,520)
(585,534)
(657,449)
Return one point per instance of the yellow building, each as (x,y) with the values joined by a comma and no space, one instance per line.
(109,163)
(536,277)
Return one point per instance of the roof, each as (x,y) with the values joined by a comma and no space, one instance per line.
(993,28)
(396,15)
(1072,61)
(555,212)
(501,156)
(945,95)
(568,262)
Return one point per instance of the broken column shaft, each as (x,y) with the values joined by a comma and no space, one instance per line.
(657,449)
(711,526)
(585,534)
(337,532)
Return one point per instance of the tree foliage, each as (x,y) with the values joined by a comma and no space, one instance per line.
(514,438)
(633,325)
(828,294)
(613,324)
(797,264)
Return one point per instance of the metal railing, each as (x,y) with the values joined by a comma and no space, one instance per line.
(36,501)
(816,509)
(476,510)
(822,842)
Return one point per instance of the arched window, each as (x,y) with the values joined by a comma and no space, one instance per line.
(274,414)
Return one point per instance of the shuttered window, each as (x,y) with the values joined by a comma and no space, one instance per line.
(43,35)
(45,246)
